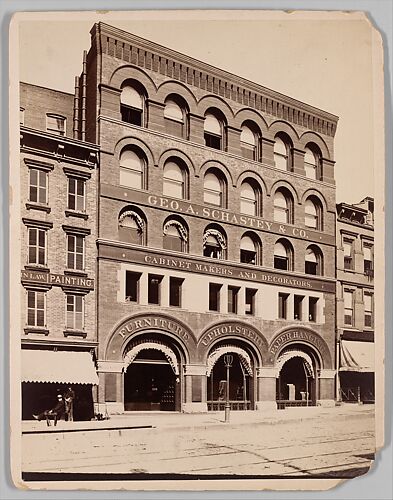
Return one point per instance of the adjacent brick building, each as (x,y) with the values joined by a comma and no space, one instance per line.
(215,237)
(355,301)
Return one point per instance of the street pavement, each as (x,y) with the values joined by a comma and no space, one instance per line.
(336,442)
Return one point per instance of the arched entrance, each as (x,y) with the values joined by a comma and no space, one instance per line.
(241,377)
(152,374)
(297,377)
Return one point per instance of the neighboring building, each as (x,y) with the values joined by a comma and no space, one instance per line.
(355,301)
(216,232)
(58,262)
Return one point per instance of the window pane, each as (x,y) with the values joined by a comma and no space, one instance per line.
(41,239)
(33,176)
(80,187)
(212,125)
(131,178)
(173,111)
(40,318)
(33,193)
(42,178)
(131,97)
(31,299)
(42,195)
(32,236)
(40,300)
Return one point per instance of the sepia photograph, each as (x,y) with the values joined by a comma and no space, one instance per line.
(196,214)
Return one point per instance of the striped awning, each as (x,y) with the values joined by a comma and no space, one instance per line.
(357,356)
(62,367)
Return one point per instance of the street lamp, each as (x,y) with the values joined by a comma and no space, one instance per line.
(228,359)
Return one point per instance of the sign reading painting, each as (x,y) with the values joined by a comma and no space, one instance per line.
(57,279)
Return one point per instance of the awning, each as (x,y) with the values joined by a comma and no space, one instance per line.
(63,367)
(357,356)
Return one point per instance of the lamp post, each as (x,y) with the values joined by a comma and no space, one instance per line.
(228,359)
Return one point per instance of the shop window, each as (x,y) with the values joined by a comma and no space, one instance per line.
(132,105)
(175,236)
(368,261)
(214,188)
(175,291)
(154,288)
(312,308)
(298,307)
(348,254)
(250,301)
(75,252)
(368,310)
(74,312)
(37,246)
(132,169)
(174,180)
(36,308)
(214,296)
(282,305)
(283,152)
(175,115)
(214,244)
(76,194)
(55,124)
(38,186)
(213,131)
(132,227)
(132,286)
(283,206)
(233,292)
(348,308)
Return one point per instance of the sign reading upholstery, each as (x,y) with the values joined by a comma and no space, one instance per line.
(232,328)
(216,214)
(57,279)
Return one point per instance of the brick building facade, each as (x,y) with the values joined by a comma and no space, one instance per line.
(215,237)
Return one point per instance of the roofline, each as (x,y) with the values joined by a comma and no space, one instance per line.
(155,47)
(46,88)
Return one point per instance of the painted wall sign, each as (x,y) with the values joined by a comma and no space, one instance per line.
(193,265)
(216,214)
(57,279)
(232,328)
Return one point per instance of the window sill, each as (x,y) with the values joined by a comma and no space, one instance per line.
(36,329)
(37,267)
(75,333)
(75,272)
(38,206)
(75,213)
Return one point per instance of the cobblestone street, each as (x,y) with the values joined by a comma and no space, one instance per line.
(334,443)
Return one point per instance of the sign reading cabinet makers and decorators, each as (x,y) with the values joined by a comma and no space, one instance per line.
(43,278)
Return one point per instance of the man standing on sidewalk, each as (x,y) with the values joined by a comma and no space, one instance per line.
(69,397)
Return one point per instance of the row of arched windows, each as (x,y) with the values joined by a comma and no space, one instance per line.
(133,174)
(132,229)
(134,110)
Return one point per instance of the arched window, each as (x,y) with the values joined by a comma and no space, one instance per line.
(132,105)
(132,169)
(175,115)
(283,206)
(313,213)
(250,249)
(174,180)
(175,235)
(214,189)
(213,131)
(282,153)
(313,261)
(214,243)
(249,199)
(312,162)
(132,227)
(283,255)
(250,139)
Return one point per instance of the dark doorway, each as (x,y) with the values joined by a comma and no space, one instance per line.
(241,395)
(150,384)
(295,387)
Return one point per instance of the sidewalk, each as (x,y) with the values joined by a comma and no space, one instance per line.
(160,420)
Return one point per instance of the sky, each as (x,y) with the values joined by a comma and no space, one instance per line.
(322,61)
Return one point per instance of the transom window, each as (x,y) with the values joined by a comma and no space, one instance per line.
(37,246)
(174,184)
(75,312)
(38,186)
(36,308)
(76,194)
(132,170)
(75,251)
(55,124)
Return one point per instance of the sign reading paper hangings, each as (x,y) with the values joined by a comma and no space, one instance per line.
(42,278)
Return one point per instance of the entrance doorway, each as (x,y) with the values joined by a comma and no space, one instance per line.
(296,382)
(241,387)
(150,383)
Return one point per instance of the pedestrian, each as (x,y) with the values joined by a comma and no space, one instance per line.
(69,397)
(55,413)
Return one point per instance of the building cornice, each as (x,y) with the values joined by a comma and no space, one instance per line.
(154,57)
